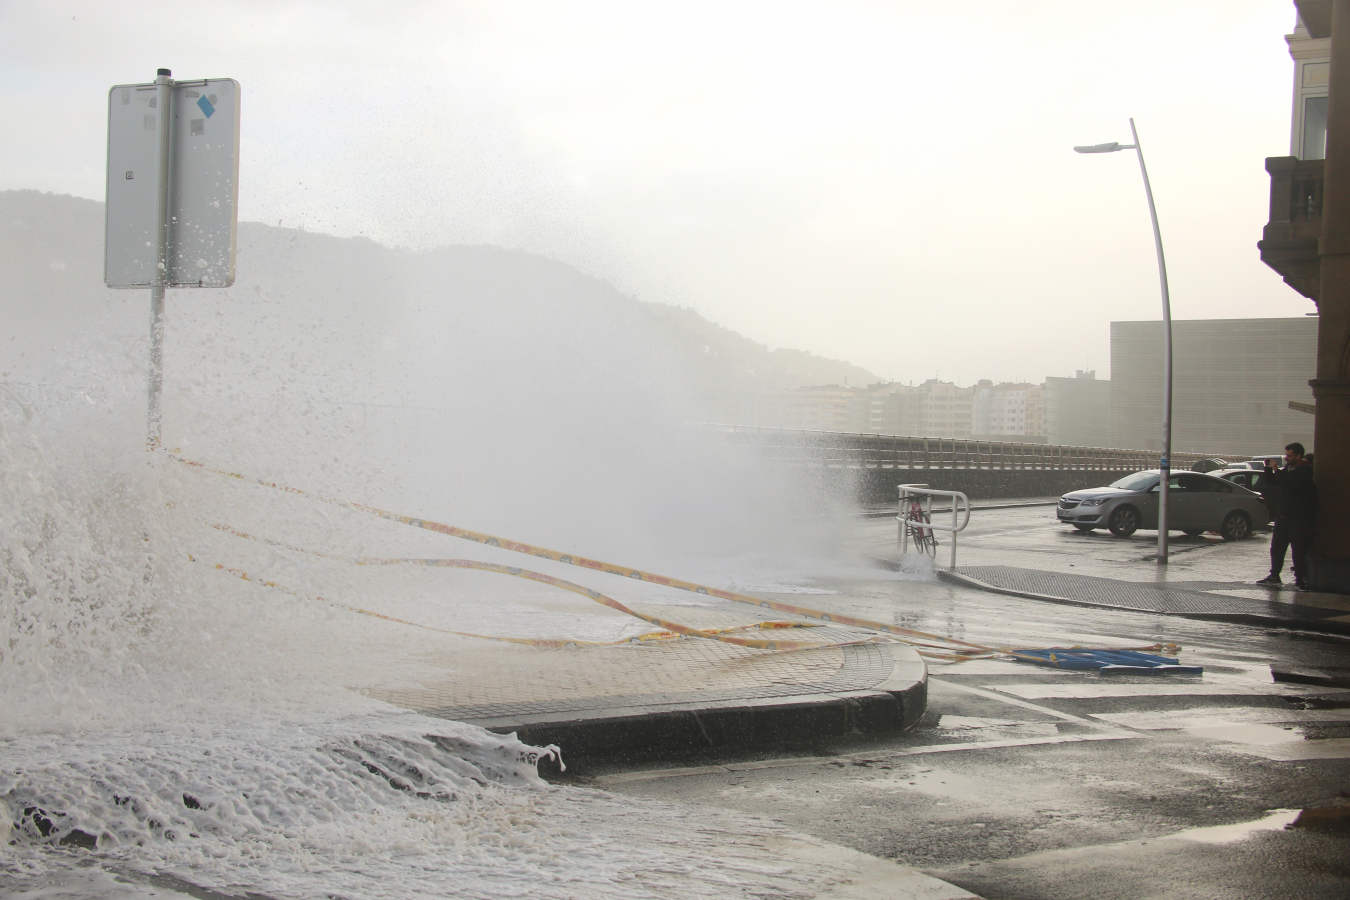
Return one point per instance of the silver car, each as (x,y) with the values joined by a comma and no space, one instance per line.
(1248,478)
(1195,503)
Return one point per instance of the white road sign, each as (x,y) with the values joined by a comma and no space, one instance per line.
(203,184)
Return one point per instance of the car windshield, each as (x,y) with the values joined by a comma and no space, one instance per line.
(1139,481)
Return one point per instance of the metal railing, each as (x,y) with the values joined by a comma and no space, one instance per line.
(882,451)
(960,514)
(1296,188)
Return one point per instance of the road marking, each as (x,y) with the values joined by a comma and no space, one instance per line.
(871,757)
(1275,820)
(997,692)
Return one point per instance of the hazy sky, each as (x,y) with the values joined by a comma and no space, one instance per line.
(890,183)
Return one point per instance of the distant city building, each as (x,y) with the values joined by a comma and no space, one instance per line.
(892,408)
(1078,410)
(944,409)
(1007,411)
(825,408)
(1232,382)
(934,408)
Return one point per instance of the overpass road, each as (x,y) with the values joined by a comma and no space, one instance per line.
(1026,781)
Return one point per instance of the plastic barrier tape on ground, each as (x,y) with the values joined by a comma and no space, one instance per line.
(953,646)
(548,643)
(942,648)
(670,629)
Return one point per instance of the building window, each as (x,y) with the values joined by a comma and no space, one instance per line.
(1314,128)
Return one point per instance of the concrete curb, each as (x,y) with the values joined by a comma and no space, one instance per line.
(1246,618)
(1338,676)
(675,730)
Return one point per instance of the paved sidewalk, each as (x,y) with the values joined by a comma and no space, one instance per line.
(1215,600)
(1203,579)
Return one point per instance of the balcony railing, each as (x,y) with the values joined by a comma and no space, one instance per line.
(1289,242)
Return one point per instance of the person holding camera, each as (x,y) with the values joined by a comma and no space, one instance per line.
(1291,495)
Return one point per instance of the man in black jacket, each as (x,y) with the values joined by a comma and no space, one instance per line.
(1291,495)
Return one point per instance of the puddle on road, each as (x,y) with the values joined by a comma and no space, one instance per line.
(950,721)
(1246,732)
(1000,729)
(1267,733)
(1276,820)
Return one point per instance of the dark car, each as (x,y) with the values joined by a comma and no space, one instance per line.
(1196,503)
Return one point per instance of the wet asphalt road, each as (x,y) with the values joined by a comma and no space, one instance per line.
(1028,782)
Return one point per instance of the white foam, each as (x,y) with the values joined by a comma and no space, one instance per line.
(182,728)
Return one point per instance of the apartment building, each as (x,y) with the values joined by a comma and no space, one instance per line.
(1008,410)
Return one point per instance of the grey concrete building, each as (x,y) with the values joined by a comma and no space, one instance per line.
(1232,383)
(1078,410)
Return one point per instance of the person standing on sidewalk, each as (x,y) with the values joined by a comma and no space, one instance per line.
(1292,496)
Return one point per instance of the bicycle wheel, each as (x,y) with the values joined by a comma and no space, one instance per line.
(928,543)
(923,538)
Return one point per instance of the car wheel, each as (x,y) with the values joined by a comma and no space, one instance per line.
(1193,532)
(1236,526)
(1124,521)
(1083,528)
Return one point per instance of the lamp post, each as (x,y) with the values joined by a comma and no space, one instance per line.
(1165,465)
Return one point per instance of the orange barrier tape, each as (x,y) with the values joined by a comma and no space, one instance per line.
(597,565)
(953,649)
(533,642)
(670,628)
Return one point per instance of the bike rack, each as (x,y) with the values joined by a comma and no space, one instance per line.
(960,510)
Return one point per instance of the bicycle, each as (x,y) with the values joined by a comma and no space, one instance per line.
(916,518)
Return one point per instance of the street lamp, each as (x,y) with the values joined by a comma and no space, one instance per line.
(1165,462)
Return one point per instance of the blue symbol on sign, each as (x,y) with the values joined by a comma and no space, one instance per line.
(205,106)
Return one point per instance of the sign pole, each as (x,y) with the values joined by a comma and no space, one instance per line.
(164,101)
(173,190)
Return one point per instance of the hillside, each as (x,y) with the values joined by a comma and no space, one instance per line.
(475,384)
(51,259)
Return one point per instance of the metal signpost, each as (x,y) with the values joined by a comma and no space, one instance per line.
(173,190)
